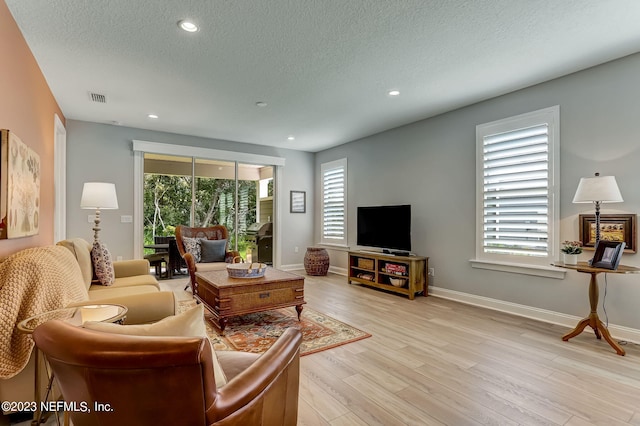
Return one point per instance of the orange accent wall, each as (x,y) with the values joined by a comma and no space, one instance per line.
(27,108)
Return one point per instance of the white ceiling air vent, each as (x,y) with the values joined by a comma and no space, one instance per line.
(97,97)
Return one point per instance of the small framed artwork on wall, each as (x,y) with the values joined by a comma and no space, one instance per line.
(298,202)
(613,227)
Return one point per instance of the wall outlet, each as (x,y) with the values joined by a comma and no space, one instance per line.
(119,258)
(431,272)
(91,218)
(296,249)
(126,219)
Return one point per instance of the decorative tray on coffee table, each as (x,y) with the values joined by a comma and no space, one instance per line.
(246,270)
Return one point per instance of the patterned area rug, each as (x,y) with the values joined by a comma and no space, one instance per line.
(257,332)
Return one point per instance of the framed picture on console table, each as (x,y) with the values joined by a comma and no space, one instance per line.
(608,254)
(613,227)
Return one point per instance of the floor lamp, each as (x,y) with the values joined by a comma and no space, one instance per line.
(98,196)
(598,190)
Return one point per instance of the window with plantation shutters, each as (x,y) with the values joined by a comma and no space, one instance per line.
(334,197)
(517,194)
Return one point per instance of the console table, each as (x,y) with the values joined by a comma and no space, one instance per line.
(593,320)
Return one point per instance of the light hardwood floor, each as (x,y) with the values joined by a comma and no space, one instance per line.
(432,361)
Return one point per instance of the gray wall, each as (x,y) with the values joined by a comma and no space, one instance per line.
(102,152)
(431,165)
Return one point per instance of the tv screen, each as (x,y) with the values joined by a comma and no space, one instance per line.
(386,227)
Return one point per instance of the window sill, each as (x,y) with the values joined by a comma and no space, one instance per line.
(334,246)
(520,268)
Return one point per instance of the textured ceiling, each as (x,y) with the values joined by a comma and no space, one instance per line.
(323,66)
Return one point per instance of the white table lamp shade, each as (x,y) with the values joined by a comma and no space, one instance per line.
(600,188)
(99,195)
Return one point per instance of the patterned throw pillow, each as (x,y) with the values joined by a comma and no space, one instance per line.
(192,245)
(102,264)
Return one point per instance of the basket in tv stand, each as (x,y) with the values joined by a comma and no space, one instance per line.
(377,269)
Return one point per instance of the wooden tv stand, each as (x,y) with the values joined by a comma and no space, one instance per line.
(377,269)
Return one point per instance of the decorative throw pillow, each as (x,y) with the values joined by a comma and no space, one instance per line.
(192,245)
(212,250)
(187,324)
(102,264)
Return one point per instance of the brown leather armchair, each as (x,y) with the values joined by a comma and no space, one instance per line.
(140,380)
(216,232)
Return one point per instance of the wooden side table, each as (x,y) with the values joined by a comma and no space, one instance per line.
(593,320)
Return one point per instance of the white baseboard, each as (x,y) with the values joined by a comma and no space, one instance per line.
(292,267)
(338,270)
(617,331)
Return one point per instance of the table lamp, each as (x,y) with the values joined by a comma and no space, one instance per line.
(98,196)
(597,190)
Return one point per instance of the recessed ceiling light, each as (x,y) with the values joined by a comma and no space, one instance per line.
(261,104)
(152,116)
(188,26)
(394,92)
(291,138)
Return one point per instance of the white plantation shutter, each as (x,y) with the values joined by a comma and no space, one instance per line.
(517,195)
(334,178)
(516,192)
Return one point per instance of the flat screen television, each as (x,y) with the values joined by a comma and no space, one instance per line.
(386,227)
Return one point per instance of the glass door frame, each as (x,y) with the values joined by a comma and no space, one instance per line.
(142,147)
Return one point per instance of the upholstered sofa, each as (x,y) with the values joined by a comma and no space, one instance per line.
(41,279)
(133,282)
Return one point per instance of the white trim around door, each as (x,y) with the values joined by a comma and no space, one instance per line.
(140,147)
(59,180)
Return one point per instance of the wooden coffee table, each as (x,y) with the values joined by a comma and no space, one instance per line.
(227,297)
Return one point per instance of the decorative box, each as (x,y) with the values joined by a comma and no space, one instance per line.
(365,263)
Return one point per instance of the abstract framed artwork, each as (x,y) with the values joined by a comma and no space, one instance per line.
(298,202)
(613,227)
(19,187)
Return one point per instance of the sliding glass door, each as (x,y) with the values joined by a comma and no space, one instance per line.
(255,212)
(203,192)
(167,195)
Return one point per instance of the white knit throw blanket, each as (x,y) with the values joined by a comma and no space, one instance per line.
(33,281)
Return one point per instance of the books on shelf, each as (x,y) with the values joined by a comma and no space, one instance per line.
(396,269)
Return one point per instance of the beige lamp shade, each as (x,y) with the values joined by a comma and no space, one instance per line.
(599,188)
(99,196)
